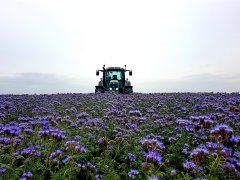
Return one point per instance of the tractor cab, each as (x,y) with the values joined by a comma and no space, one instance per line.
(113,79)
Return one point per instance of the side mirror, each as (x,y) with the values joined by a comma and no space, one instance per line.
(97,73)
(130,73)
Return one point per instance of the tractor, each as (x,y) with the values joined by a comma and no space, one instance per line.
(113,79)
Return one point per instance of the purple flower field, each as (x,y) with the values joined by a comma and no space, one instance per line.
(112,136)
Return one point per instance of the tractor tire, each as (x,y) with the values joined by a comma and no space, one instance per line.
(128,90)
(99,91)
(120,91)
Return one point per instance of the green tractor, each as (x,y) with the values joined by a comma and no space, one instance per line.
(113,79)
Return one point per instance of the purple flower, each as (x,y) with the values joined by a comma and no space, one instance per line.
(83,115)
(192,167)
(235,140)
(131,157)
(152,144)
(27,174)
(212,145)
(183,122)
(26,161)
(237,155)
(90,167)
(189,165)
(153,178)
(136,113)
(67,159)
(173,173)
(185,151)
(134,127)
(17,140)
(221,133)
(5,140)
(172,139)
(82,166)
(73,110)
(103,141)
(78,138)
(142,119)
(199,154)
(229,167)
(2,170)
(53,132)
(57,153)
(30,151)
(150,110)
(206,121)
(154,157)
(80,148)
(11,129)
(99,177)
(73,145)
(2,115)
(232,160)
(226,152)
(133,173)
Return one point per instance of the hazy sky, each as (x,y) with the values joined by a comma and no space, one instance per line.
(51,46)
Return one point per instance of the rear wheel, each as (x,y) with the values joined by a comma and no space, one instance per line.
(128,90)
(99,90)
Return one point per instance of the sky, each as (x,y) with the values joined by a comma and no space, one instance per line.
(54,46)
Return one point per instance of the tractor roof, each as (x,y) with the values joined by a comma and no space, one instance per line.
(114,68)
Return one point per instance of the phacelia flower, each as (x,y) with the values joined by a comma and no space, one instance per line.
(199,155)
(189,165)
(30,151)
(152,144)
(2,170)
(154,157)
(131,157)
(53,133)
(67,159)
(229,167)
(27,175)
(73,145)
(192,167)
(99,177)
(57,153)
(133,173)
(173,173)
(221,133)
(4,140)
(87,167)
(212,145)
(153,178)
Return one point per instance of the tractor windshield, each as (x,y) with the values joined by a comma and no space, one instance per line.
(114,75)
